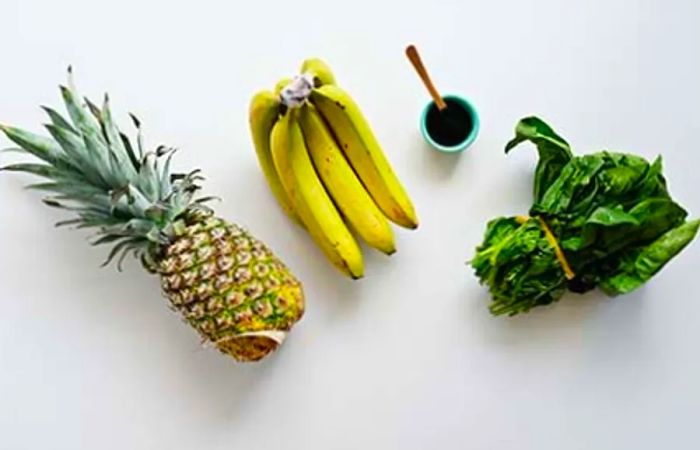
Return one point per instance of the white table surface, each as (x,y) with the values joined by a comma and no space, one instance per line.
(408,358)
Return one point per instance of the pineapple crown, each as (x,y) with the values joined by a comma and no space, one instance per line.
(93,170)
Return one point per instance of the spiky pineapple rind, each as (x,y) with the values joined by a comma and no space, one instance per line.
(227,285)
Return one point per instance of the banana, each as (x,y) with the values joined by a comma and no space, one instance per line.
(263,113)
(359,144)
(319,70)
(281,84)
(342,183)
(309,197)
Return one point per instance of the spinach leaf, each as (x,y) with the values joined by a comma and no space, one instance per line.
(624,174)
(519,265)
(577,177)
(648,220)
(554,151)
(608,217)
(642,263)
(610,213)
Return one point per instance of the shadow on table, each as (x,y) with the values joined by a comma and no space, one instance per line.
(439,166)
(620,318)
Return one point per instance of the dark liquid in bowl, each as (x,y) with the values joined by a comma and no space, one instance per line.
(451,126)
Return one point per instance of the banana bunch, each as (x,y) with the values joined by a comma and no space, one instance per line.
(326,168)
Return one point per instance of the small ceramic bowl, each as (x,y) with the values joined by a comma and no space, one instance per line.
(471,137)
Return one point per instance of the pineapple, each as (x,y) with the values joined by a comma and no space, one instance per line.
(225,283)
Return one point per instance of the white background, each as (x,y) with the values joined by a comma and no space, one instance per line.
(409,357)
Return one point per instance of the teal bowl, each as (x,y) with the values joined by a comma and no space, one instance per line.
(471,137)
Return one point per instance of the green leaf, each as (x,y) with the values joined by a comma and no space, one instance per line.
(646,262)
(519,265)
(654,184)
(92,170)
(72,145)
(574,179)
(653,218)
(14,150)
(554,151)
(95,111)
(139,136)
(41,170)
(130,151)
(116,169)
(82,120)
(39,146)
(114,139)
(655,256)
(58,120)
(165,183)
(99,159)
(608,217)
(620,180)
(72,189)
(148,180)
(89,128)
(123,247)
(610,213)
(106,239)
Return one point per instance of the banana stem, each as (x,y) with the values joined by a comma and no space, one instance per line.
(297,91)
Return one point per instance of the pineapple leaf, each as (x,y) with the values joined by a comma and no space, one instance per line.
(138,227)
(155,235)
(50,186)
(114,138)
(55,203)
(131,249)
(117,169)
(208,199)
(139,135)
(13,150)
(85,123)
(138,203)
(92,170)
(68,188)
(64,223)
(73,147)
(94,110)
(58,120)
(156,213)
(148,177)
(39,146)
(118,159)
(130,151)
(93,142)
(41,170)
(124,246)
(100,157)
(106,239)
(89,220)
(165,184)
(137,122)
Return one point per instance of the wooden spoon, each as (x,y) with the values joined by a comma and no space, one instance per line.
(414,57)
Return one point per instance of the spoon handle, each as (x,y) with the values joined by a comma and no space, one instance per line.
(414,57)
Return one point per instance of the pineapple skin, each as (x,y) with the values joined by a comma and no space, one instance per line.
(230,287)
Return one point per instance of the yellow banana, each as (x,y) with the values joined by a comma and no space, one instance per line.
(319,70)
(310,199)
(281,84)
(359,144)
(263,113)
(342,183)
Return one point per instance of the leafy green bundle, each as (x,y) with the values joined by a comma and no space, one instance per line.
(608,215)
